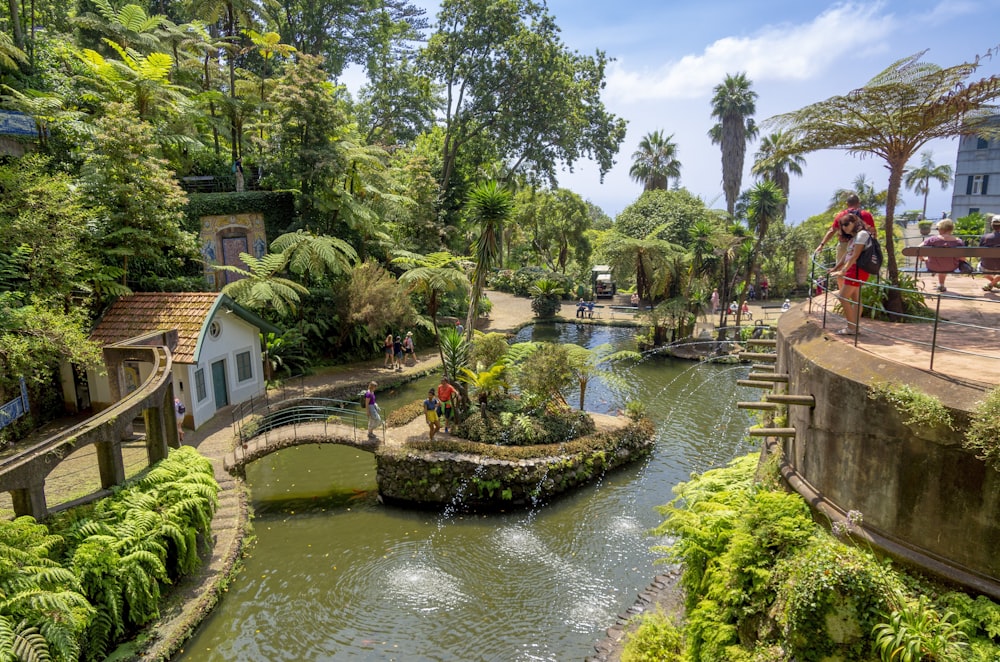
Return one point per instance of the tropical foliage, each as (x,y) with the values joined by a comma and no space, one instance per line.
(896,113)
(760,576)
(71,589)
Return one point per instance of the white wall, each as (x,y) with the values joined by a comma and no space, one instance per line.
(236,336)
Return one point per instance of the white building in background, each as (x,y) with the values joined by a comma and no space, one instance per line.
(977,176)
(217,361)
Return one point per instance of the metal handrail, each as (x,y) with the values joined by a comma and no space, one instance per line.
(936,320)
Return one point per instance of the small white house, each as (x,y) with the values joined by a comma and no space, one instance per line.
(217,361)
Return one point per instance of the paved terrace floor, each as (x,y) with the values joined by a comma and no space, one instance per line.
(968,346)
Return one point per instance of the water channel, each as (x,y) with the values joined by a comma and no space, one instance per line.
(334,575)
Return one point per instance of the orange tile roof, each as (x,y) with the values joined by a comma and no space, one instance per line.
(146,312)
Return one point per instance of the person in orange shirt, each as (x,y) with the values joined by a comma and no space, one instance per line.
(448,396)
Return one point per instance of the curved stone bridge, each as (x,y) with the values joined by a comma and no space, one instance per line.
(299,434)
(24,474)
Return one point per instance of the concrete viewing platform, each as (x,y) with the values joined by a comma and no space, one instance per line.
(966,346)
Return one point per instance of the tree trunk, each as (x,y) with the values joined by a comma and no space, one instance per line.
(894,299)
(15,24)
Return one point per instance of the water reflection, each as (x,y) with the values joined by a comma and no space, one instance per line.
(339,578)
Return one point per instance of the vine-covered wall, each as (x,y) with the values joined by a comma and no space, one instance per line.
(277,207)
(479,483)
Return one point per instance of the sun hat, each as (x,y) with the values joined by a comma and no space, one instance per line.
(995,220)
(409,334)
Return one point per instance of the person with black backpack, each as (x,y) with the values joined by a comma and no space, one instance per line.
(853,207)
(850,275)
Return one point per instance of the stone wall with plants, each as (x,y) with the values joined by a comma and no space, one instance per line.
(482,477)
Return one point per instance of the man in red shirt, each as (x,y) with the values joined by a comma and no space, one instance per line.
(448,395)
(854,207)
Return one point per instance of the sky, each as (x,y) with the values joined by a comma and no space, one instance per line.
(670,54)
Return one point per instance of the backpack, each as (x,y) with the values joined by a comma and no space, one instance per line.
(870,259)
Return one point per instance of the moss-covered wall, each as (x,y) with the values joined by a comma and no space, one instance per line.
(277,207)
(478,483)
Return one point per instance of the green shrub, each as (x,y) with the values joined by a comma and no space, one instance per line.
(551,424)
(405,414)
(983,435)
(519,282)
(918,407)
(830,597)
(656,640)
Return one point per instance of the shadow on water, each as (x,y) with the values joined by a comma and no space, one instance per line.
(334,575)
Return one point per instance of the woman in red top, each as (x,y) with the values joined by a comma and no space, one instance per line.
(448,395)
(850,276)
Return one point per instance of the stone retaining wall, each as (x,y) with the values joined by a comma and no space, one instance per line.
(924,498)
(481,483)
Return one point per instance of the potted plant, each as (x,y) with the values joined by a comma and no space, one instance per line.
(925,227)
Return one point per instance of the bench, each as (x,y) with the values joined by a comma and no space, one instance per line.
(950,251)
(199,183)
(590,312)
(774,309)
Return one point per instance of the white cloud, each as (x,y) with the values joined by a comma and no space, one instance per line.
(782,52)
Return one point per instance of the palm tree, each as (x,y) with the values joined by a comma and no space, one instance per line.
(491,205)
(865,190)
(431,276)
(895,114)
(733,104)
(919,179)
(261,287)
(655,162)
(646,257)
(776,160)
(766,202)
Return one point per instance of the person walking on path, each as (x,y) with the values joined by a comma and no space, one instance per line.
(397,353)
(448,395)
(943,266)
(431,413)
(850,276)
(715,301)
(374,416)
(179,412)
(388,349)
(408,348)
(990,266)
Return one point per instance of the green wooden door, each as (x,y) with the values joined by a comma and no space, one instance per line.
(219,384)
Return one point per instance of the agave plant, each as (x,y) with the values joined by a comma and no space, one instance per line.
(546,295)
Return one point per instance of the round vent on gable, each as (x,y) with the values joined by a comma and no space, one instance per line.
(214,329)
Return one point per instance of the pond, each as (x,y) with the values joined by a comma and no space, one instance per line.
(334,575)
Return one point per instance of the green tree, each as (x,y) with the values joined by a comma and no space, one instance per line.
(490,205)
(919,179)
(317,256)
(864,188)
(556,224)
(733,104)
(668,214)
(510,84)
(137,205)
(647,258)
(655,162)
(893,116)
(432,276)
(776,160)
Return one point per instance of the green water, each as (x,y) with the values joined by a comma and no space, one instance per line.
(334,575)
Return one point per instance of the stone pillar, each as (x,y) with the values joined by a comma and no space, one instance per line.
(110,463)
(30,501)
(156,441)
